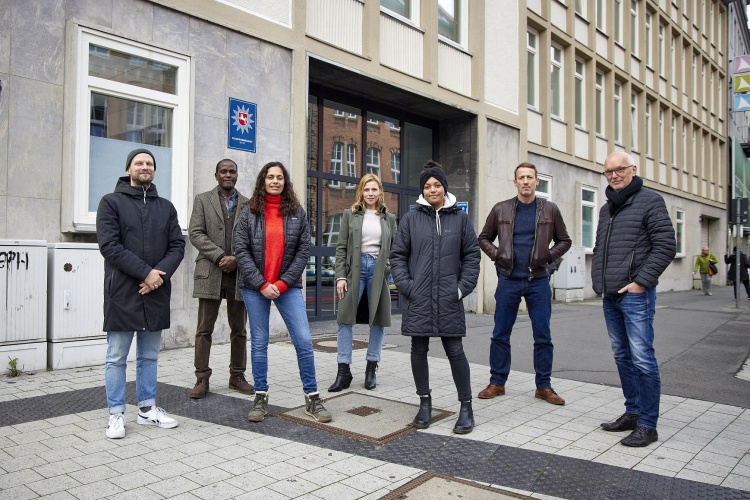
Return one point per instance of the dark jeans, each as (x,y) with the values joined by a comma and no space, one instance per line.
(539,302)
(208,311)
(454,349)
(747,287)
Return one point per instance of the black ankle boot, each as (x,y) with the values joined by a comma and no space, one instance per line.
(343,379)
(370,382)
(465,422)
(422,420)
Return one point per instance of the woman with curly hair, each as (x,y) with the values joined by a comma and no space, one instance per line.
(364,243)
(272,241)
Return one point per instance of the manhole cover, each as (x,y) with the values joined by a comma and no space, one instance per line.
(366,418)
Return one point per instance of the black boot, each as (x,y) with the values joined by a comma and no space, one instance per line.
(343,379)
(422,420)
(370,382)
(465,422)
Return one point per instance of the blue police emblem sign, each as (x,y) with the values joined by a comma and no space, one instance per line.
(243,118)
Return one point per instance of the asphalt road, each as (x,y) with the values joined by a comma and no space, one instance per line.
(701,343)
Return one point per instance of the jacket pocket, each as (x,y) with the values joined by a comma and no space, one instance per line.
(202,269)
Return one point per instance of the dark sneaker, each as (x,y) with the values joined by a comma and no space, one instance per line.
(260,408)
(238,383)
(314,407)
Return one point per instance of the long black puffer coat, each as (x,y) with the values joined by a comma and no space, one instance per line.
(434,255)
(137,231)
(250,247)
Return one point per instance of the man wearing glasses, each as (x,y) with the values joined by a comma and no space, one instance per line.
(635,242)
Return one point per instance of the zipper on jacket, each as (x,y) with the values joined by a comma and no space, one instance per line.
(606,252)
(539,206)
(144,194)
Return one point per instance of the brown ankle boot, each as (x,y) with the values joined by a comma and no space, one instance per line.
(238,383)
(200,390)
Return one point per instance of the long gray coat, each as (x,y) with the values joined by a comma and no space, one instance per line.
(349,266)
(206,233)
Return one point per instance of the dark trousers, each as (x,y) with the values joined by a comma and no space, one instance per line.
(454,349)
(208,311)
(746,283)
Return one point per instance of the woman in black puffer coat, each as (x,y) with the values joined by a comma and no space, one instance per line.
(435,263)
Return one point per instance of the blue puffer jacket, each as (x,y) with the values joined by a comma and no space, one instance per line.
(250,247)
(636,244)
(434,255)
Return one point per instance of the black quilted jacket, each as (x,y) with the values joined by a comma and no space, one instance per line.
(637,244)
(430,267)
(250,246)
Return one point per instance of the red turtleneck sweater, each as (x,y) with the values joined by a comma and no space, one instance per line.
(274,243)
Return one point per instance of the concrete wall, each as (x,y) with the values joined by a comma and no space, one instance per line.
(224,63)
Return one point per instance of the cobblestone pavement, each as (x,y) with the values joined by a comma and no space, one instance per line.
(52,442)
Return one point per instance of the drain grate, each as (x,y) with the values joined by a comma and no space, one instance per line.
(364,411)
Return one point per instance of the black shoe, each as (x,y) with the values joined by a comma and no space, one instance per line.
(625,422)
(641,437)
(343,379)
(422,420)
(465,422)
(370,381)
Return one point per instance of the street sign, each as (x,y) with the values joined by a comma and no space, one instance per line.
(743,211)
(742,64)
(742,83)
(241,125)
(742,102)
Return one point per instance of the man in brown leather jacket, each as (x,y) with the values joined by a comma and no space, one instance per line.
(524,227)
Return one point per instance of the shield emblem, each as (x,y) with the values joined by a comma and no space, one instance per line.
(242,118)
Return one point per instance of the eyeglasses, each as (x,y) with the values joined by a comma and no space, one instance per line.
(620,171)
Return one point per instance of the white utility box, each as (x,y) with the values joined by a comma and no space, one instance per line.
(23,303)
(570,278)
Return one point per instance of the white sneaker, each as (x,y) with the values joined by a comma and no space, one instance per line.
(158,417)
(116,427)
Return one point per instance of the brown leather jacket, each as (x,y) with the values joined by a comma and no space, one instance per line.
(549,227)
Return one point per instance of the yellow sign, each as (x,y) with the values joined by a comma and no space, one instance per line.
(742,83)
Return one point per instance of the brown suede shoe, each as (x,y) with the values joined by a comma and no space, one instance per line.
(200,390)
(491,391)
(238,383)
(550,396)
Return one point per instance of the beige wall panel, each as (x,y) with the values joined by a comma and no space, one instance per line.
(279,11)
(501,58)
(401,46)
(454,69)
(338,22)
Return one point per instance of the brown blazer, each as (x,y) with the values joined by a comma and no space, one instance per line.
(206,232)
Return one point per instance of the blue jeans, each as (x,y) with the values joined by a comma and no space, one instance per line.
(291,305)
(630,324)
(344,333)
(539,302)
(147,355)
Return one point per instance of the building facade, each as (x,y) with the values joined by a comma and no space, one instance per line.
(346,87)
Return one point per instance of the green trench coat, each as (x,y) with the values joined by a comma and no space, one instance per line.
(348,265)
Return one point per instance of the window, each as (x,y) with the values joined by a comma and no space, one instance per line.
(695,76)
(373,161)
(618,21)
(662,52)
(634,27)
(684,146)
(703,84)
(649,52)
(672,59)
(662,149)
(556,81)
(396,167)
(673,143)
(130,96)
(580,92)
(679,232)
(331,231)
(351,162)
(588,217)
(618,112)
(683,69)
(581,8)
(600,14)
(400,7)
(634,121)
(337,154)
(544,189)
(649,137)
(600,103)
(532,69)
(450,20)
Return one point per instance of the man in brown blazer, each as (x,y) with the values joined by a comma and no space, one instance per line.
(211,231)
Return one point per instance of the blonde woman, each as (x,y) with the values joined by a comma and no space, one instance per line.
(364,243)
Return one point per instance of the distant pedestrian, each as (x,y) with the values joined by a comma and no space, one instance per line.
(702,266)
(215,215)
(733,260)
(524,227)
(635,242)
(435,263)
(364,243)
(272,244)
(142,245)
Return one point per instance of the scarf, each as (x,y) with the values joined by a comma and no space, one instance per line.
(618,198)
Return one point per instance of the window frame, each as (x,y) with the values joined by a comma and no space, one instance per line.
(618,21)
(580,93)
(557,94)
(634,39)
(649,146)
(336,167)
(594,216)
(649,45)
(600,111)
(634,121)
(371,167)
(679,232)
(545,195)
(461,8)
(601,15)
(617,111)
(532,51)
(82,219)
